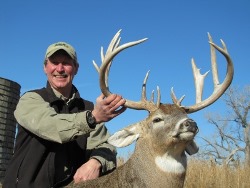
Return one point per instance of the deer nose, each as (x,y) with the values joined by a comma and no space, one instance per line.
(191,125)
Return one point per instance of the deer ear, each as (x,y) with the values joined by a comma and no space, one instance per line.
(124,137)
(192,148)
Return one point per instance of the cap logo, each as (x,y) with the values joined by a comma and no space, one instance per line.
(62,44)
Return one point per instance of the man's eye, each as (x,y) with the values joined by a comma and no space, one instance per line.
(67,63)
(156,120)
(54,62)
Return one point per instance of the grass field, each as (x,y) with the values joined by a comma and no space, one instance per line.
(204,174)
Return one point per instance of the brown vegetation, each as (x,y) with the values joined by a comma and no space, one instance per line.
(207,174)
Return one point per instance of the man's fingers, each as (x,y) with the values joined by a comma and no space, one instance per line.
(107,108)
(100,98)
(116,105)
(113,98)
(119,111)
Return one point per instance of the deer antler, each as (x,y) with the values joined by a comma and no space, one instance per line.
(112,51)
(219,89)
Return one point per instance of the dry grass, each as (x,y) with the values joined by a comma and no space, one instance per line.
(120,161)
(205,174)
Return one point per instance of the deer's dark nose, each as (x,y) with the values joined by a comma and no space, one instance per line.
(191,125)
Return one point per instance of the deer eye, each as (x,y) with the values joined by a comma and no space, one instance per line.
(156,120)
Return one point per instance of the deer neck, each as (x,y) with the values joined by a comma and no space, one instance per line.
(168,162)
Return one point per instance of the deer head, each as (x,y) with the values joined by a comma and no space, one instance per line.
(167,129)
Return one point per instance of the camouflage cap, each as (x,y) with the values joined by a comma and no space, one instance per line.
(61,46)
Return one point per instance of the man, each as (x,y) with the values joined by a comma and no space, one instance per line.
(61,137)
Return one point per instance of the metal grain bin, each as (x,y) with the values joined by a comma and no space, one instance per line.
(9,96)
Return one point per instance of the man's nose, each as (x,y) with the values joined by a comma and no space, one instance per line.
(59,67)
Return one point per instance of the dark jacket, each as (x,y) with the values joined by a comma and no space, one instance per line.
(50,164)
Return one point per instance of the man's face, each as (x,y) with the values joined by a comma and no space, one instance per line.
(60,70)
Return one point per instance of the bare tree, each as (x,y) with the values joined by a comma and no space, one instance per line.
(230,143)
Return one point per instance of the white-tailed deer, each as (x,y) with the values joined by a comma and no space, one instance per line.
(159,159)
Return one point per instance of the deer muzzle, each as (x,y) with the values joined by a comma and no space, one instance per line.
(185,129)
(190,125)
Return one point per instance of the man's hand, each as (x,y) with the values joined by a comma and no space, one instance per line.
(107,108)
(88,171)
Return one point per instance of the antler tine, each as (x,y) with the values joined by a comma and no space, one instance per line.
(144,95)
(199,81)
(113,44)
(152,95)
(174,98)
(219,89)
(144,104)
(144,98)
(159,97)
(214,64)
(107,70)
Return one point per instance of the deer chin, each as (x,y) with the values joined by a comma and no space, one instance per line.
(184,136)
(187,136)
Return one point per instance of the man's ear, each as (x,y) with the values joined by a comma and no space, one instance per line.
(77,66)
(44,68)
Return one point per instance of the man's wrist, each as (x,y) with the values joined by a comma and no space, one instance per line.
(98,164)
(90,119)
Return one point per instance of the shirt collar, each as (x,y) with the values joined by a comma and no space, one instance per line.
(60,96)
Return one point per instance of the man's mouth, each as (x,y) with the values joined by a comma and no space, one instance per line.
(61,76)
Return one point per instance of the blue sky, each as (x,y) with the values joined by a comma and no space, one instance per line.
(176,32)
